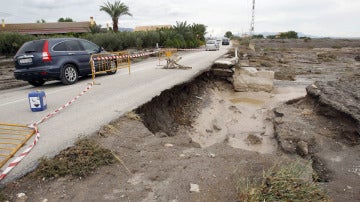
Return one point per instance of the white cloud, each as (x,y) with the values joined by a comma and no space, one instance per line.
(320,17)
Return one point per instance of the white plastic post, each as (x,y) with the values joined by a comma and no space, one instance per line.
(236,55)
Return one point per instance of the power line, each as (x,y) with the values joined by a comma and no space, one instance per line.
(252,25)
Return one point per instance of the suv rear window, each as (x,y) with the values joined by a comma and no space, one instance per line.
(71,45)
(31,47)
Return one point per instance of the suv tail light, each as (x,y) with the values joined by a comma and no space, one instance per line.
(46,57)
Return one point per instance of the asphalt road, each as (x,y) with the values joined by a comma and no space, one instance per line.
(114,96)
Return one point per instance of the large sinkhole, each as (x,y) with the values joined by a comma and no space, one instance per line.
(179,106)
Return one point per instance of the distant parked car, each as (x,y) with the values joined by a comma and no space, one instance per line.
(225,41)
(212,45)
(64,59)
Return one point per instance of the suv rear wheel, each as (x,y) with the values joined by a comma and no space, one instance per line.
(69,74)
(36,83)
(113,68)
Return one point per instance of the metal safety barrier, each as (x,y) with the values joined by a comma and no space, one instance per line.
(109,62)
(12,138)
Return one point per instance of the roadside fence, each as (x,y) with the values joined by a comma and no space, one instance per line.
(109,62)
(12,138)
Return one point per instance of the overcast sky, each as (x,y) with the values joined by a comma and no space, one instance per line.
(333,18)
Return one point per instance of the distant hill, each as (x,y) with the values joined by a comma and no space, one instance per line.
(122,29)
(300,34)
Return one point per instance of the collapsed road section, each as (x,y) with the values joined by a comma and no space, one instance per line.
(204,140)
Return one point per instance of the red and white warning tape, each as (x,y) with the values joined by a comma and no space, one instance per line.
(64,106)
(192,49)
(34,126)
(142,54)
(124,56)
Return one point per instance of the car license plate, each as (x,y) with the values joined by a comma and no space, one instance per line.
(25,61)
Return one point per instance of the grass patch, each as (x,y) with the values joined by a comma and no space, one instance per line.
(336,47)
(79,160)
(267,49)
(244,42)
(253,139)
(284,183)
(3,196)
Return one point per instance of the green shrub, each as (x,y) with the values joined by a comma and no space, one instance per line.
(258,36)
(289,35)
(11,42)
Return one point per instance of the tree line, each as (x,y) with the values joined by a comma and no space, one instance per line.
(181,35)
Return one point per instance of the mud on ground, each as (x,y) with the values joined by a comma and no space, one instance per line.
(7,79)
(204,133)
(323,127)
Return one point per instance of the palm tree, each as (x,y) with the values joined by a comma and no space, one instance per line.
(199,30)
(115,11)
(181,27)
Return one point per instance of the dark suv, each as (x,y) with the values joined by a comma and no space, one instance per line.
(62,59)
(225,41)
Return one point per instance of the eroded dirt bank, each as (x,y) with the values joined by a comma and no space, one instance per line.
(217,139)
(206,134)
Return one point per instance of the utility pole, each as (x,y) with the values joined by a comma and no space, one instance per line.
(252,25)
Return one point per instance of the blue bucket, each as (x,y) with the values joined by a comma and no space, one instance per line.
(37,101)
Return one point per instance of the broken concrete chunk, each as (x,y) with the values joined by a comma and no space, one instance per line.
(226,63)
(250,79)
(222,72)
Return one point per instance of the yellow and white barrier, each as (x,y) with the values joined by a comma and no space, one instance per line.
(109,62)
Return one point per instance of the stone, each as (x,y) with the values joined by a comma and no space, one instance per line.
(216,125)
(21,196)
(194,188)
(182,155)
(357,58)
(302,148)
(244,63)
(168,145)
(250,79)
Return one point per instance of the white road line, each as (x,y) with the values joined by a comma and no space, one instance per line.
(12,102)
